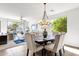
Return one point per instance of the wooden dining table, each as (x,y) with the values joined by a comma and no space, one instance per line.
(43,42)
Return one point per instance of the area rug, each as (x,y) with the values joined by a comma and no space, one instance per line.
(19,41)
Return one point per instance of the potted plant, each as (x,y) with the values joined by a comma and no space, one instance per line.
(59,25)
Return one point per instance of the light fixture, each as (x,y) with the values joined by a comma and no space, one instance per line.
(44,22)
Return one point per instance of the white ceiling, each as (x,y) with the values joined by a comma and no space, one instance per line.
(33,10)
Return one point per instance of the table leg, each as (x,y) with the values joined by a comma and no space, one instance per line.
(43,52)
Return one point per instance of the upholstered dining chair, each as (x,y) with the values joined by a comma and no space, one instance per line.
(31,45)
(63,36)
(56,47)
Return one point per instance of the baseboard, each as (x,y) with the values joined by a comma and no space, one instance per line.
(71,46)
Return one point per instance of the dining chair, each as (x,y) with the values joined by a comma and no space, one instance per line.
(31,45)
(56,47)
(63,36)
(62,33)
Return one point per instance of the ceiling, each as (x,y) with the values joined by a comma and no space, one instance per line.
(33,10)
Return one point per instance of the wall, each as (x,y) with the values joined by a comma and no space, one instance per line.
(72,36)
(29,22)
(3,26)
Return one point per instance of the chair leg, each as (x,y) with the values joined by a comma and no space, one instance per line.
(33,54)
(27,52)
(42,52)
(60,52)
(63,49)
(55,54)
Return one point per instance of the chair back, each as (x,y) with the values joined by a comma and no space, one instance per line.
(58,42)
(30,41)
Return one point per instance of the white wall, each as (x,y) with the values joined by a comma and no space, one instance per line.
(30,21)
(72,36)
(3,26)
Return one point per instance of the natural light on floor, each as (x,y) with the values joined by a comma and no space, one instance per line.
(72,50)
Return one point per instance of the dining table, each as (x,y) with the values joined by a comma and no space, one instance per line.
(44,41)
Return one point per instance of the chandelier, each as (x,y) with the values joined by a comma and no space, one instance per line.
(44,22)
